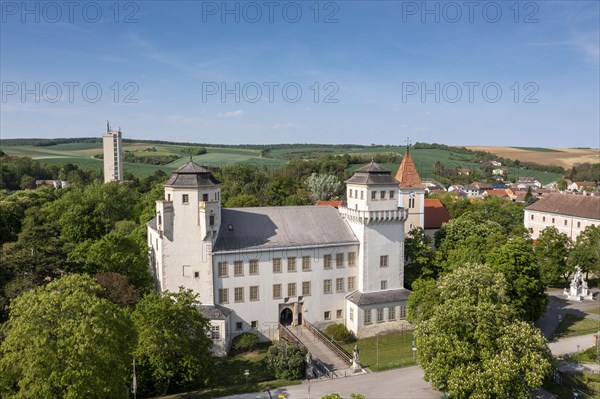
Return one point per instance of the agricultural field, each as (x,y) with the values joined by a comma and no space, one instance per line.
(565,157)
(82,155)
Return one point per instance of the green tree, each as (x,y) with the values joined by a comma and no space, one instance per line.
(561,184)
(242,201)
(173,345)
(586,251)
(63,341)
(467,239)
(418,253)
(286,361)
(473,347)
(552,251)
(422,301)
(517,262)
(323,186)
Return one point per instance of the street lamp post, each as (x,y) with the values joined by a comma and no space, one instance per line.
(246,373)
(414,349)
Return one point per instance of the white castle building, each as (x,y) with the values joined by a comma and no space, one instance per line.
(256,267)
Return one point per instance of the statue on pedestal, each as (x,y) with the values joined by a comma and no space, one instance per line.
(356,360)
(578,289)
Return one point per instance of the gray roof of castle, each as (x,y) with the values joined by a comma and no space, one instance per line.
(379,297)
(372,173)
(282,226)
(192,175)
(215,312)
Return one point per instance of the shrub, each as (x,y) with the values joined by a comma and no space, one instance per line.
(246,342)
(339,333)
(286,361)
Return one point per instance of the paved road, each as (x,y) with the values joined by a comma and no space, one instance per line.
(404,383)
(571,344)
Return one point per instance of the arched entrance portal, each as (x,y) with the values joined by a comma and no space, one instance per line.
(286,317)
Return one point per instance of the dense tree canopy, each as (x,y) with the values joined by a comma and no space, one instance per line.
(586,251)
(552,251)
(473,346)
(173,340)
(517,262)
(418,254)
(64,341)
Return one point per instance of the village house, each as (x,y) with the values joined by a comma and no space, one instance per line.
(569,213)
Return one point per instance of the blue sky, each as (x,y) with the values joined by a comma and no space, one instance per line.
(488,73)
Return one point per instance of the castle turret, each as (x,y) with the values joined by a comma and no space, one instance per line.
(189,214)
(376,219)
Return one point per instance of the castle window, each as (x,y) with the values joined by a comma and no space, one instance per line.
(306,263)
(327,286)
(382,194)
(327,315)
(338,313)
(350,193)
(356,193)
(361,195)
(223,269)
(352,314)
(327,261)
(238,268)
(565,222)
(291,289)
(339,284)
(254,293)
(543,218)
(578,224)
(291,264)
(276,291)
(339,260)
(351,283)
(379,315)
(552,220)
(531,217)
(238,326)
(196,274)
(384,284)
(276,265)
(204,197)
(373,194)
(211,220)
(383,261)
(411,203)
(168,197)
(306,288)
(392,313)
(185,199)
(391,194)
(238,294)
(351,258)
(215,332)
(223,295)
(368,316)
(254,324)
(253,266)
(402,311)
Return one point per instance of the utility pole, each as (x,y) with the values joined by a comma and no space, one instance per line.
(134,382)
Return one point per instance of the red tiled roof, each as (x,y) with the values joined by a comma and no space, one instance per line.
(407,174)
(335,204)
(497,193)
(435,214)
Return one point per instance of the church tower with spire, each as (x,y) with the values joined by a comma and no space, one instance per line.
(412,192)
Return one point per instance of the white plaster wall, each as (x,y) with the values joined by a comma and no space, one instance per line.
(266,310)
(541,220)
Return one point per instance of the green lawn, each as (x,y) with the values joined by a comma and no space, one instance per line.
(229,376)
(593,310)
(586,356)
(395,350)
(572,325)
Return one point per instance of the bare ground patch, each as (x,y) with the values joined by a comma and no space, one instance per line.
(567,157)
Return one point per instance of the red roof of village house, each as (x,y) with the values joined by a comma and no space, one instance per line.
(435,214)
(496,193)
(335,204)
(407,174)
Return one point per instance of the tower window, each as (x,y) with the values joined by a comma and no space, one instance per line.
(211,220)
(350,193)
(383,261)
(391,194)
(204,197)
(185,198)
(384,285)
(382,194)
(362,194)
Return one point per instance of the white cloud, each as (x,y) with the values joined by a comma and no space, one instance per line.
(288,125)
(231,114)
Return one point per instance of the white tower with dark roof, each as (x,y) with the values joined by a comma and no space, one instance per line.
(112,155)
(188,217)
